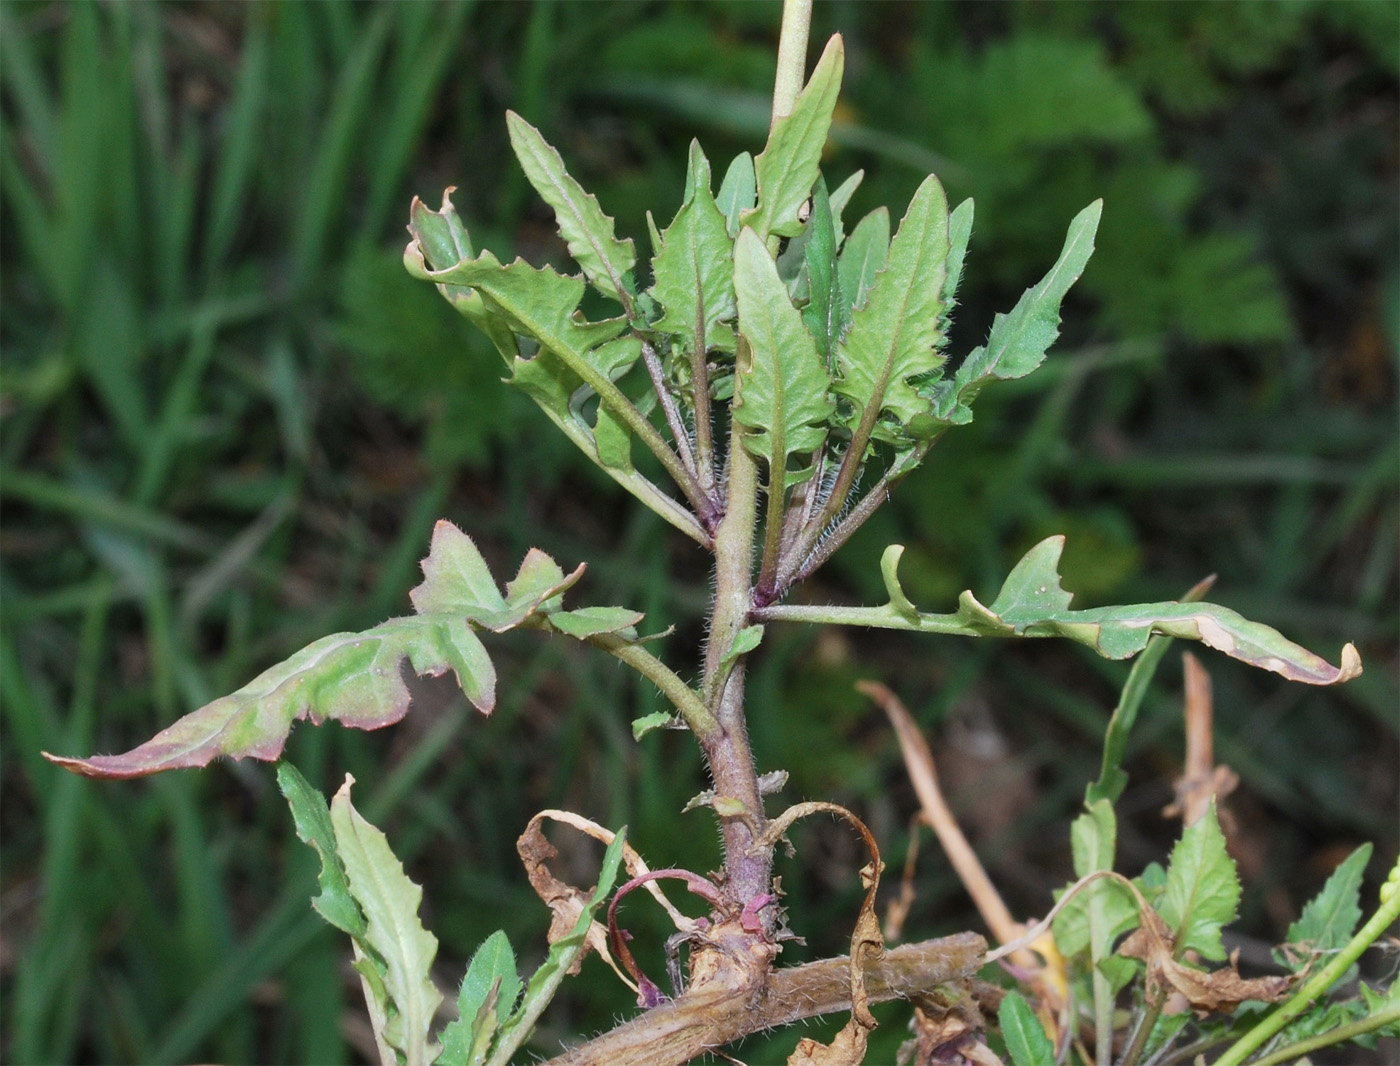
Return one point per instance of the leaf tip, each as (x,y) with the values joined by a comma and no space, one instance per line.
(1351,664)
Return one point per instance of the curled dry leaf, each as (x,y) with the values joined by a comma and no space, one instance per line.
(564,901)
(867,947)
(1206,990)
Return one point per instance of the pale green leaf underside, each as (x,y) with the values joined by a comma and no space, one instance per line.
(588,232)
(390,902)
(782,385)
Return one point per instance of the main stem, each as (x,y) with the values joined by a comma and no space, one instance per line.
(748,869)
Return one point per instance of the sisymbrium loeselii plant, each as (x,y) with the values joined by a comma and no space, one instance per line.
(763,384)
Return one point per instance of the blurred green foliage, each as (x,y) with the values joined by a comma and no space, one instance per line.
(228,420)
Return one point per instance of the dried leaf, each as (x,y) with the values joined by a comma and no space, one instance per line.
(1206,990)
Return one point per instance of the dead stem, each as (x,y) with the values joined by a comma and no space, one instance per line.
(708,1018)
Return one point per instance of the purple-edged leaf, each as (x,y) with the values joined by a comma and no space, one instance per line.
(1032,603)
(356,679)
(351,678)
(456,581)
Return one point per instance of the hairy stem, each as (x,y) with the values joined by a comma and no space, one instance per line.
(748,869)
(684,698)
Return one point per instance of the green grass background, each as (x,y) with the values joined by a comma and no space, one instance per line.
(228,420)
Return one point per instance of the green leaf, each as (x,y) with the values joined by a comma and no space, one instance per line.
(1026,1041)
(1103,910)
(588,621)
(745,641)
(492,979)
(1019,340)
(1202,891)
(442,241)
(562,954)
(390,902)
(863,256)
(959,235)
(313,823)
(894,338)
(1330,919)
(1033,604)
(694,270)
(840,197)
(781,393)
(737,192)
(588,232)
(787,167)
(540,304)
(827,314)
(649,723)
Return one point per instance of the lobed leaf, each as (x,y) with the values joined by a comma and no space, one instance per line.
(694,269)
(1202,891)
(895,336)
(1019,340)
(588,232)
(350,678)
(390,903)
(1032,603)
(786,169)
(312,817)
(356,678)
(781,393)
